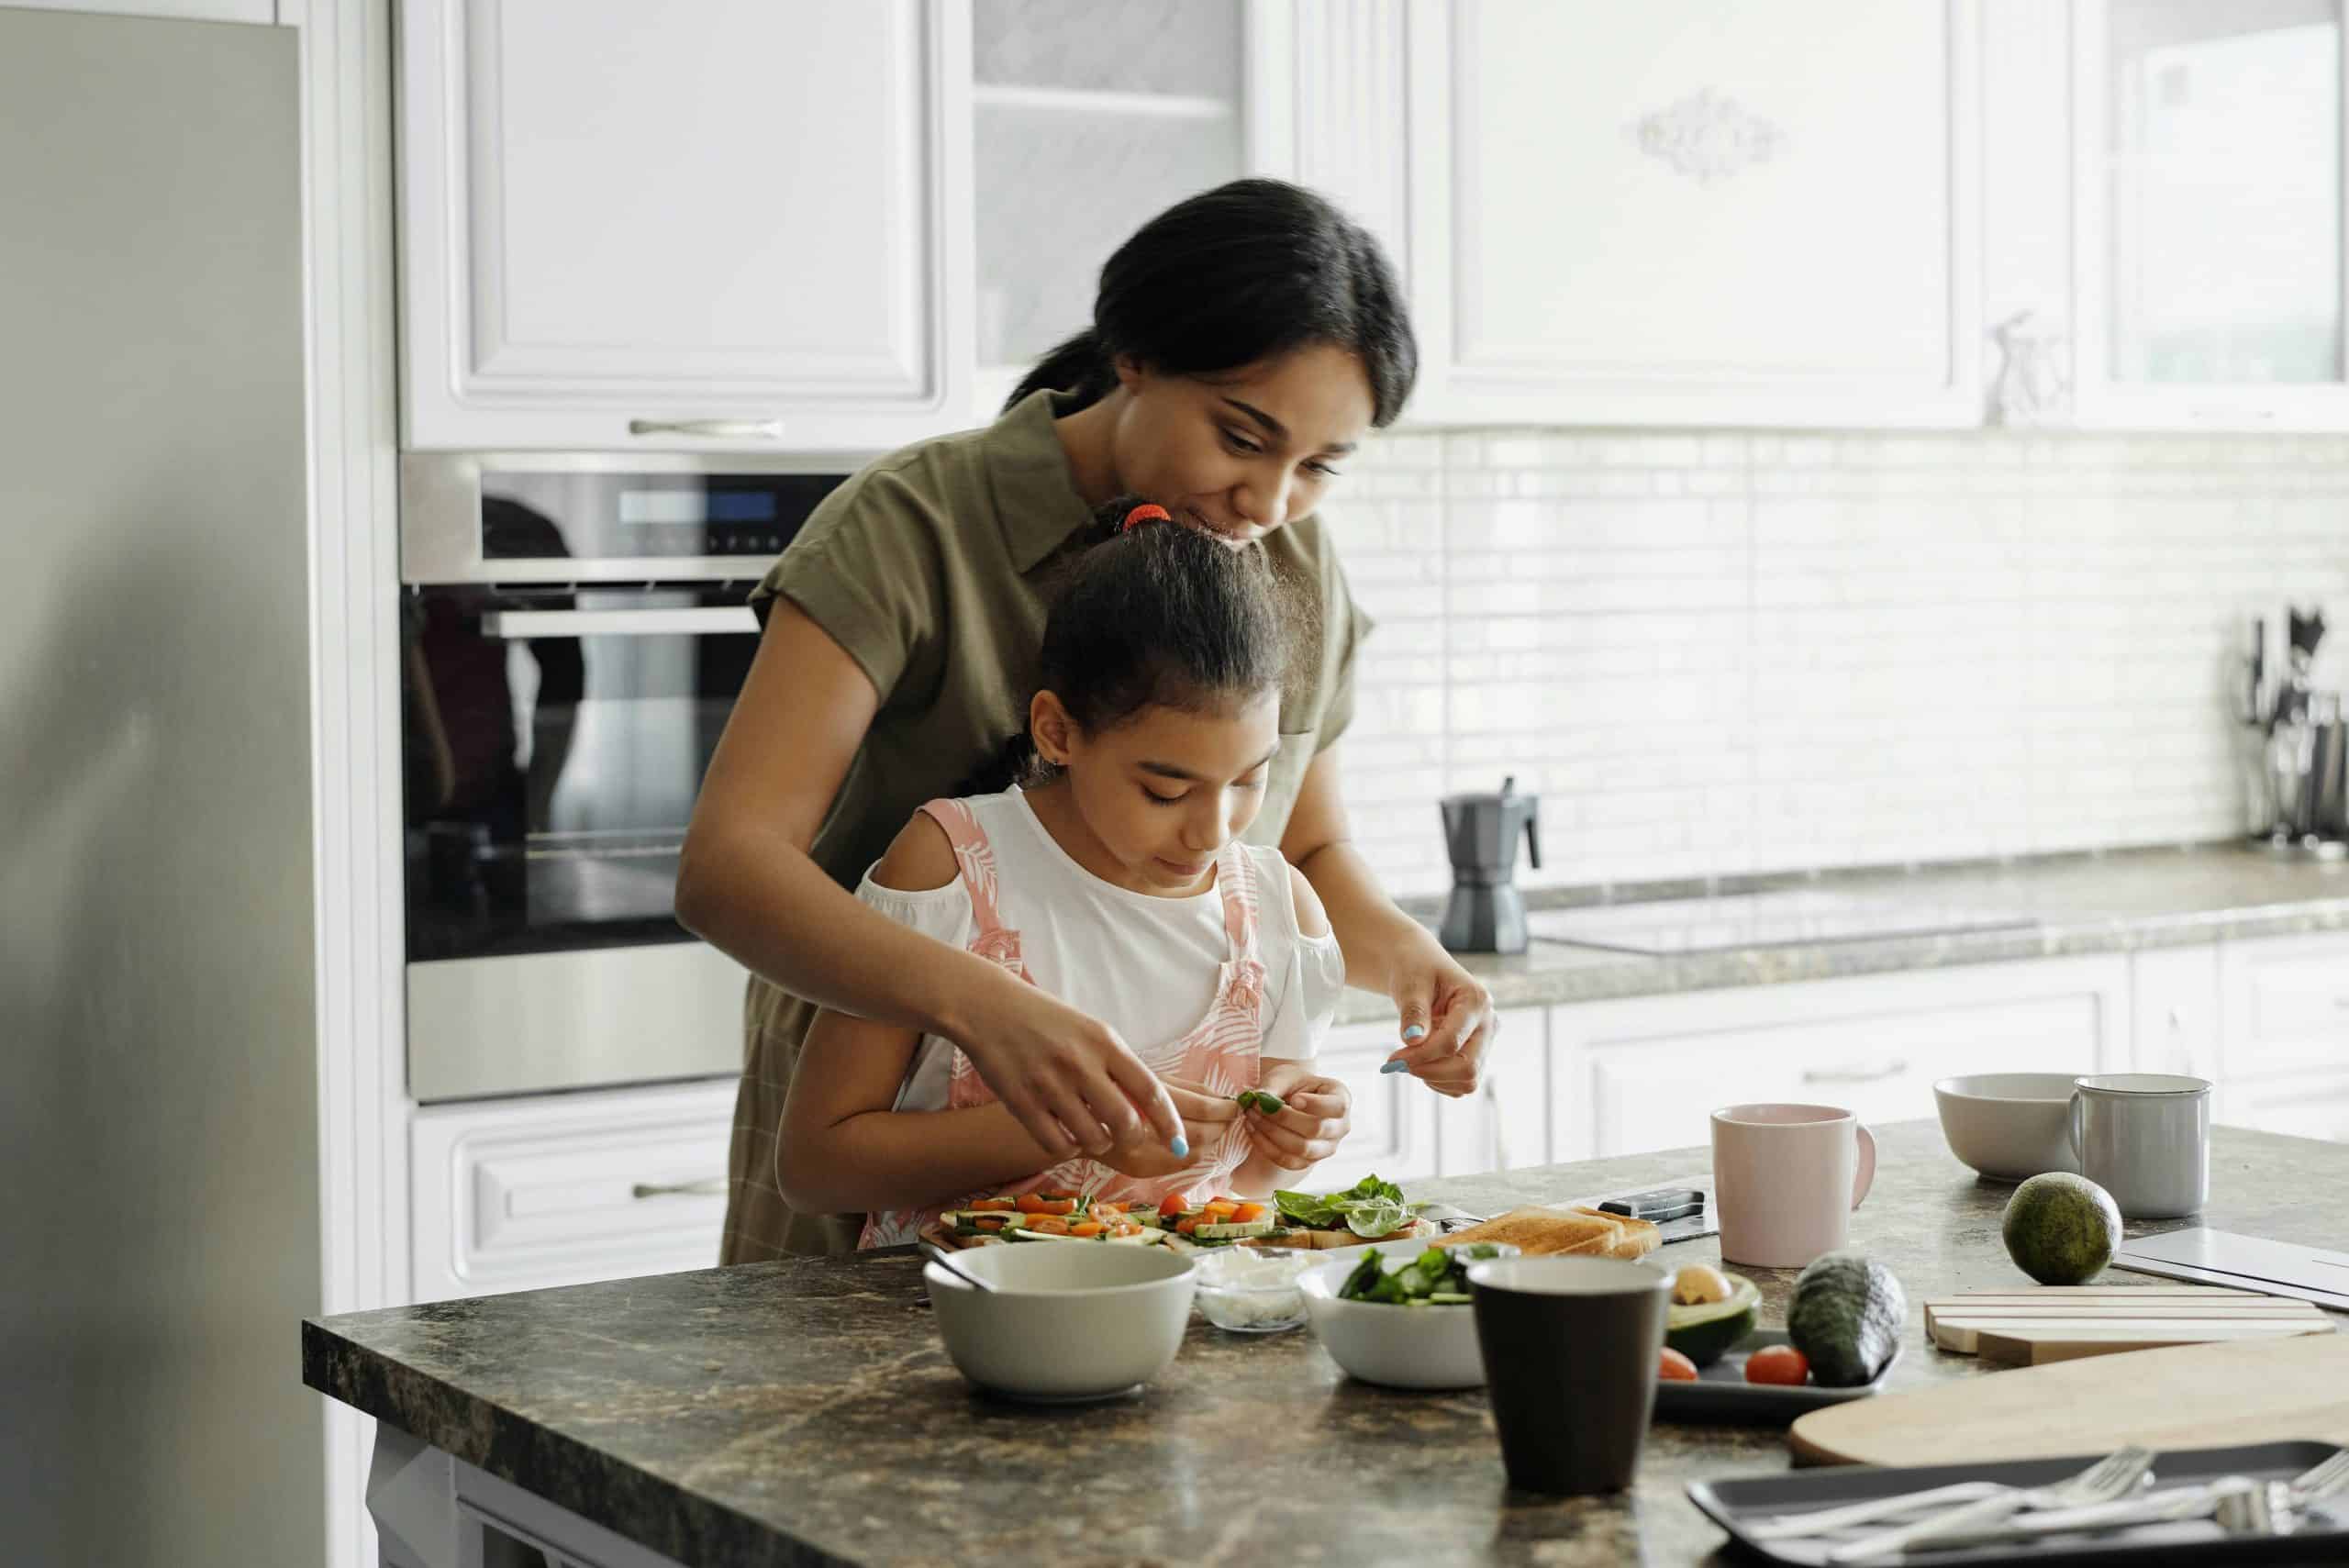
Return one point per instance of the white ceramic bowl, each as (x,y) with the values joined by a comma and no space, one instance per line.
(1399,1347)
(1067,1320)
(2009,1126)
(1253,1290)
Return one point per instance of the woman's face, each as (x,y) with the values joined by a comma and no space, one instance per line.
(1241,452)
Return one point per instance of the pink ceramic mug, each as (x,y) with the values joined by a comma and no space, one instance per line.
(1785,1179)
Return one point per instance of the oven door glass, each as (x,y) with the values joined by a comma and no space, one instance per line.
(555,740)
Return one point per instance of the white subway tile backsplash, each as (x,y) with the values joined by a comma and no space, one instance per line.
(1724,651)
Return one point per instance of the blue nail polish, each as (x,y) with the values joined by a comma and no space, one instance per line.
(1395,1067)
(1181,1146)
(1416,1031)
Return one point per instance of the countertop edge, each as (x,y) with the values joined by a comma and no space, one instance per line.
(594,1485)
(1601,978)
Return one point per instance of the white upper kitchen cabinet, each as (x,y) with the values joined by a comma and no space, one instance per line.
(2209,288)
(684,223)
(1711,212)
(1090,119)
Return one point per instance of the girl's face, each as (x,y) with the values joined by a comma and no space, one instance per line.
(1157,796)
(1241,452)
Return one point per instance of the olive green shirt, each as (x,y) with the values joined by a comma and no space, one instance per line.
(933,570)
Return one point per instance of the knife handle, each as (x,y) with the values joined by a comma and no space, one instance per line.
(1657,1205)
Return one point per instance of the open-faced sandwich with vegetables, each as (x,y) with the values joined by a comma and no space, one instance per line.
(1370,1210)
(1040,1216)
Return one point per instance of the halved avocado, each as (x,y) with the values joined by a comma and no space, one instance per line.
(1704,1330)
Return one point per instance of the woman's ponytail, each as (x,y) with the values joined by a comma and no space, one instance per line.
(1078,365)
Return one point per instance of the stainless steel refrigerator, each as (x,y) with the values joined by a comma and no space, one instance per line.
(158,1171)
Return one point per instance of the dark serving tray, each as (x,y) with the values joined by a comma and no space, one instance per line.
(2323,1535)
(1721,1393)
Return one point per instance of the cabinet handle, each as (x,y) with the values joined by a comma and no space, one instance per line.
(762,430)
(1854,1075)
(708,1186)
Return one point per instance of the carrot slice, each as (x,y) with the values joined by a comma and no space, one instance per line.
(1248,1211)
(1004,1203)
(989,1223)
(1087,1228)
(1223,1208)
(1186,1225)
(1048,1224)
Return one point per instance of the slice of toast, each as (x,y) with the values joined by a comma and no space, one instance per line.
(1540,1232)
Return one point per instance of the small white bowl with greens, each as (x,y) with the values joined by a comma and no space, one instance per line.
(1397,1313)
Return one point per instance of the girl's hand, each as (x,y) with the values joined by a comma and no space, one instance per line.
(1066,1076)
(1318,1116)
(1447,1020)
(1206,1118)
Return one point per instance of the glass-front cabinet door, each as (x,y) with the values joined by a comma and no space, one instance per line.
(2210,207)
(1088,118)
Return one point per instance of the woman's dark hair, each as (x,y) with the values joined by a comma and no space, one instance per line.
(1156,615)
(1234,275)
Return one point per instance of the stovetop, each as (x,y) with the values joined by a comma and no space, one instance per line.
(1785,918)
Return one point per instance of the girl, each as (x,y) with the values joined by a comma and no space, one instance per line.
(1116,881)
(1243,343)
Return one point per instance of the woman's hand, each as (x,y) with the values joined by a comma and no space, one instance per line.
(1066,1076)
(1447,1020)
(1318,1116)
(1207,1117)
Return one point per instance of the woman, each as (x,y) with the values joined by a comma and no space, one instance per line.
(1244,342)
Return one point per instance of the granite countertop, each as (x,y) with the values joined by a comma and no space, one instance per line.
(2115,901)
(805,1412)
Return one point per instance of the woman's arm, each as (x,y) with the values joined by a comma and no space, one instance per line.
(747,885)
(1447,1015)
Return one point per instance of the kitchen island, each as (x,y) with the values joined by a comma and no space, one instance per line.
(805,1412)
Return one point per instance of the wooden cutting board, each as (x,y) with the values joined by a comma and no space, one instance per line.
(2034,1326)
(2252,1391)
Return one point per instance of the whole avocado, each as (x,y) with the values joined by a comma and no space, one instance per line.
(2061,1229)
(1845,1318)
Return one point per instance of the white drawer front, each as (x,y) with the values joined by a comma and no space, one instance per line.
(2290,1001)
(570,1188)
(2309,1105)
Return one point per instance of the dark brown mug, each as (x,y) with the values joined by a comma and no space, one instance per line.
(1570,1348)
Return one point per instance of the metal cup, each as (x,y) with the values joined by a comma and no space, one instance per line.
(2146,1138)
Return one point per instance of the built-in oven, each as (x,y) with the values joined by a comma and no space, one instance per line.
(574,632)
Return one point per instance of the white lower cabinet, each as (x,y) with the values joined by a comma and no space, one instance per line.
(2283,1057)
(1395,1116)
(1645,1073)
(562,1189)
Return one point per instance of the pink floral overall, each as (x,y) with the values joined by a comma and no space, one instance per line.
(1220,1052)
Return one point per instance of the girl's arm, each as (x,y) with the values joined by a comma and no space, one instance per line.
(1317,1112)
(1447,1015)
(747,885)
(843,1148)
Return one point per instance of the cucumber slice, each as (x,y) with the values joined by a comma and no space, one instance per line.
(1233,1229)
(1447,1298)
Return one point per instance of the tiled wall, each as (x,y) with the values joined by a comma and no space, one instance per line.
(1718,653)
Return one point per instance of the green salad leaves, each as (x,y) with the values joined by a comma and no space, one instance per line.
(1369,1207)
(1437,1277)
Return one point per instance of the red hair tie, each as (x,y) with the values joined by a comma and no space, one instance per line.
(1148,512)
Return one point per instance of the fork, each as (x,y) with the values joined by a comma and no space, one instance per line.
(2321,1481)
(2115,1475)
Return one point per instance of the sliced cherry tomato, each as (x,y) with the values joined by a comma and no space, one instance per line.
(1186,1225)
(1777,1363)
(1087,1228)
(992,1203)
(1248,1211)
(1031,1203)
(1037,1202)
(1675,1367)
(1127,1228)
(1048,1224)
(989,1223)
(1171,1205)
